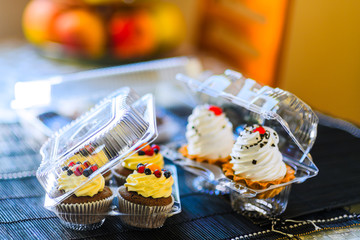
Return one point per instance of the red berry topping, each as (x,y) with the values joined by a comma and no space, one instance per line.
(94,167)
(141,169)
(156,148)
(149,152)
(157,173)
(71,164)
(216,110)
(87,164)
(261,130)
(77,172)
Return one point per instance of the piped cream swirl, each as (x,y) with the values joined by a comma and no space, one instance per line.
(149,185)
(208,135)
(256,156)
(68,183)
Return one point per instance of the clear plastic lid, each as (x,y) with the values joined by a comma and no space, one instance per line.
(253,103)
(105,135)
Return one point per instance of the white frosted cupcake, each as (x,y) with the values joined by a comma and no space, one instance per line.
(257,162)
(209,135)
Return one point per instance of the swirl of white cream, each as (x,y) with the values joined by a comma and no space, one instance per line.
(208,135)
(256,156)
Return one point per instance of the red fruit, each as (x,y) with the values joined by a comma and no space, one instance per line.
(94,167)
(87,164)
(149,152)
(157,173)
(261,130)
(216,110)
(141,169)
(155,147)
(78,172)
(71,164)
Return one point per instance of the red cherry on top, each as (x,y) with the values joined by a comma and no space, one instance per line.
(261,130)
(149,152)
(141,169)
(157,173)
(216,110)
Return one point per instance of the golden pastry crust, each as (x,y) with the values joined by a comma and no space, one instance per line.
(219,162)
(290,175)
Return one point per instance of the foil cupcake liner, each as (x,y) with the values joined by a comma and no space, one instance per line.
(84,213)
(141,216)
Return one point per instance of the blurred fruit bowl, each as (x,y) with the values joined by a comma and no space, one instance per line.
(103,30)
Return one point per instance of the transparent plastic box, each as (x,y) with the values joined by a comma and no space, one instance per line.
(114,129)
(249,103)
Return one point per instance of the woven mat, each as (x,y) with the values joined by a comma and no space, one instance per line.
(22,215)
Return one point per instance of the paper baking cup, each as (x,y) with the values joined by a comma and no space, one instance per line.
(219,162)
(120,179)
(142,216)
(84,213)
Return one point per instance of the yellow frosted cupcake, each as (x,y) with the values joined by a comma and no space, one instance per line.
(149,154)
(89,204)
(145,199)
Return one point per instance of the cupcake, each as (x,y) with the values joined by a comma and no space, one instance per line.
(257,163)
(89,204)
(145,199)
(209,136)
(149,154)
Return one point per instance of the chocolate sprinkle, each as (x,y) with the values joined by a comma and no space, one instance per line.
(254,161)
(261,145)
(273,145)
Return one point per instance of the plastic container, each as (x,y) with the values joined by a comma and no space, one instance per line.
(252,103)
(115,127)
(103,31)
(45,104)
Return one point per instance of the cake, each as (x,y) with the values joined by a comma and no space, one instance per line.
(89,203)
(256,161)
(145,199)
(209,136)
(149,154)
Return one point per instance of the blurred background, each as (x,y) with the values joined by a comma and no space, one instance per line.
(308,47)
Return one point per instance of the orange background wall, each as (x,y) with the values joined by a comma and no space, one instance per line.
(320,61)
